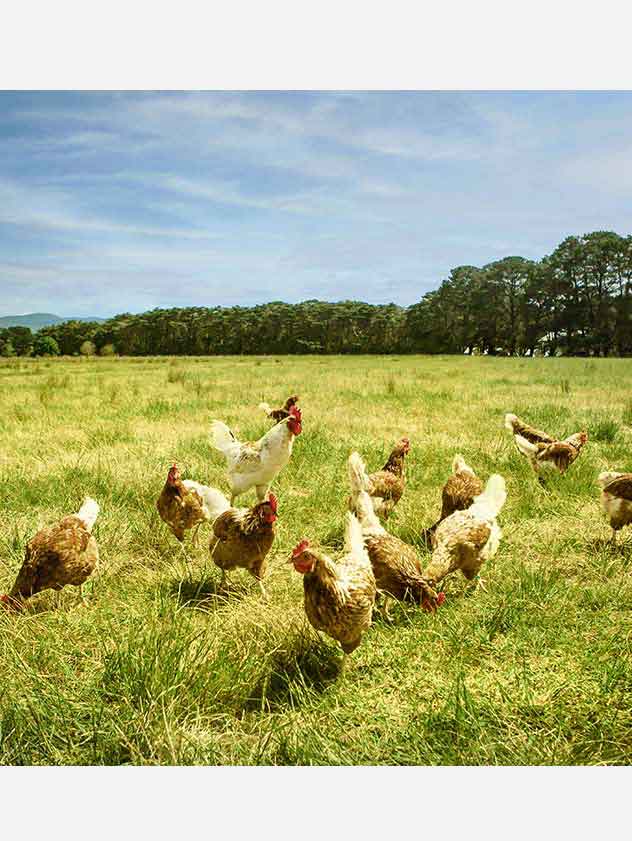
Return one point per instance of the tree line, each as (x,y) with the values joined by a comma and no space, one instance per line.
(575,301)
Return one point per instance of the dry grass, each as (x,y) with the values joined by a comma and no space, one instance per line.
(159,668)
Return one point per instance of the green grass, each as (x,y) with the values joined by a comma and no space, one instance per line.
(160,668)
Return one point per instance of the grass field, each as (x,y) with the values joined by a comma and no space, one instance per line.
(160,669)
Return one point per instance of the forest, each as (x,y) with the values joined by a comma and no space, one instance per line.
(573,302)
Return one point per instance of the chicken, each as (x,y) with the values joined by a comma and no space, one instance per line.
(542,449)
(66,553)
(396,565)
(339,596)
(242,537)
(184,505)
(616,499)
(466,539)
(458,493)
(386,486)
(283,412)
(556,456)
(256,465)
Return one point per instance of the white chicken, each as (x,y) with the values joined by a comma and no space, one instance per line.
(256,465)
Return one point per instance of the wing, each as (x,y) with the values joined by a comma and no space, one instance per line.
(386,485)
(228,525)
(249,458)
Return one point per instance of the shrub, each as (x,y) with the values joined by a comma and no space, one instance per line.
(45,346)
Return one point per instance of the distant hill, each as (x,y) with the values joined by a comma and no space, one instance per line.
(36,320)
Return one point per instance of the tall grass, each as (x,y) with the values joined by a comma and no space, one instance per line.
(162,668)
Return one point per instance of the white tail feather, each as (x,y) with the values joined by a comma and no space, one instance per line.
(488,504)
(89,512)
(366,515)
(510,420)
(266,408)
(459,465)
(221,436)
(358,478)
(214,500)
(354,540)
(526,447)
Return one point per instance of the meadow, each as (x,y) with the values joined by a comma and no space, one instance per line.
(160,668)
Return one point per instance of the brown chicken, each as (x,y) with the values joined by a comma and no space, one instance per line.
(386,486)
(458,493)
(184,505)
(242,537)
(466,539)
(556,456)
(277,415)
(542,450)
(616,499)
(339,595)
(65,553)
(396,565)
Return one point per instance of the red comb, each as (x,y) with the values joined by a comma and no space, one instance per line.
(273,502)
(295,412)
(300,548)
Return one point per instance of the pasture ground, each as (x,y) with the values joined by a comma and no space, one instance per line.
(159,668)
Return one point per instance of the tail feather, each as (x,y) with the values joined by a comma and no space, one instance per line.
(526,447)
(214,500)
(366,515)
(489,503)
(511,420)
(221,437)
(89,512)
(354,540)
(358,478)
(459,465)
(266,408)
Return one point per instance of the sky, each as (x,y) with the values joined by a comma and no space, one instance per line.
(126,201)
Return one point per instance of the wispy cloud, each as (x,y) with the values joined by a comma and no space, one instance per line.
(123,201)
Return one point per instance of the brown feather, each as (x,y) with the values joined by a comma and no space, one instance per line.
(243,538)
(339,597)
(180,508)
(65,553)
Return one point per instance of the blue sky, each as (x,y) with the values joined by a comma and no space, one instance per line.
(113,202)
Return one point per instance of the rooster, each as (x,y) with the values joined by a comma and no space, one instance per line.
(243,537)
(458,493)
(256,465)
(184,505)
(386,486)
(466,539)
(66,553)
(396,565)
(616,499)
(277,415)
(339,596)
(542,450)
